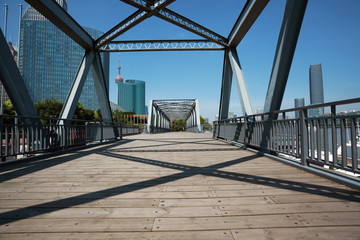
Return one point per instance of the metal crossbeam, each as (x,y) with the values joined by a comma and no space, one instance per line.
(161,45)
(131,21)
(179,20)
(246,19)
(60,18)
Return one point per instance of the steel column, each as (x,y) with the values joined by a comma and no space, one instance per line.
(14,83)
(72,99)
(150,115)
(102,90)
(225,87)
(240,82)
(197,114)
(289,33)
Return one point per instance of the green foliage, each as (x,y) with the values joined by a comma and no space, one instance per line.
(118,116)
(179,125)
(8,108)
(206,125)
(50,108)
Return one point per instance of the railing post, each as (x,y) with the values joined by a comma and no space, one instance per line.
(66,124)
(121,133)
(303,137)
(1,139)
(102,131)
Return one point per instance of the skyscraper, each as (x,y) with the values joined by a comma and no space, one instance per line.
(131,96)
(49,60)
(316,89)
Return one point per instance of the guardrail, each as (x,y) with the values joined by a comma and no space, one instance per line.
(29,135)
(331,140)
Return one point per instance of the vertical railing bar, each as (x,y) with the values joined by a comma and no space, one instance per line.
(326,141)
(6,140)
(353,144)
(312,143)
(23,137)
(318,139)
(1,134)
(343,142)
(12,139)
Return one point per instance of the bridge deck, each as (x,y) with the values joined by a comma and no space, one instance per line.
(171,186)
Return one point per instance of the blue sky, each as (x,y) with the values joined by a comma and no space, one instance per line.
(330,35)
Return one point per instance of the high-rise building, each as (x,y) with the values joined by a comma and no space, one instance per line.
(316,89)
(131,96)
(299,102)
(49,60)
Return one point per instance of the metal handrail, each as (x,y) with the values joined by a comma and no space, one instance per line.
(20,137)
(331,140)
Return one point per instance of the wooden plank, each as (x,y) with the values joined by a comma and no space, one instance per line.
(76,225)
(290,208)
(102,212)
(216,223)
(183,235)
(213,201)
(310,198)
(99,194)
(325,233)
(79,203)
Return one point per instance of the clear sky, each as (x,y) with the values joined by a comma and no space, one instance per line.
(330,35)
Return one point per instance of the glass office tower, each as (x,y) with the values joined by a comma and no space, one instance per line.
(316,89)
(131,96)
(49,60)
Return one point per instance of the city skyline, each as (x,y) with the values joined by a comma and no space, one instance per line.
(334,42)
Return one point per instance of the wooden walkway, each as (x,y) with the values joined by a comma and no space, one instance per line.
(172,186)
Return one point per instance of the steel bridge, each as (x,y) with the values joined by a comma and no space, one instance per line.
(100,180)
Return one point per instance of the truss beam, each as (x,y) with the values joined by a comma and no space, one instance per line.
(179,20)
(289,33)
(134,19)
(14,83)
(240,82)
(60,18)
(225,88)
(73,97)
(246,19)
(161,45)
(102,90)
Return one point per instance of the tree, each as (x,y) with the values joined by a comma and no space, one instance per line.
(8,108)
(179,125)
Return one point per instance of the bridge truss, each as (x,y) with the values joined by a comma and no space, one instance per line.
(289,32)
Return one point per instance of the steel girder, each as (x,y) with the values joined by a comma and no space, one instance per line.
(289,33)
(73,97)
(137,17)
(161,45)
(240,82)
(102,89)
(14,83)
(60,18)
(225,87)
(246,19)
(177,19)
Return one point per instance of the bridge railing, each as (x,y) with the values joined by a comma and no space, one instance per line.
(24,136)
(331,139)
